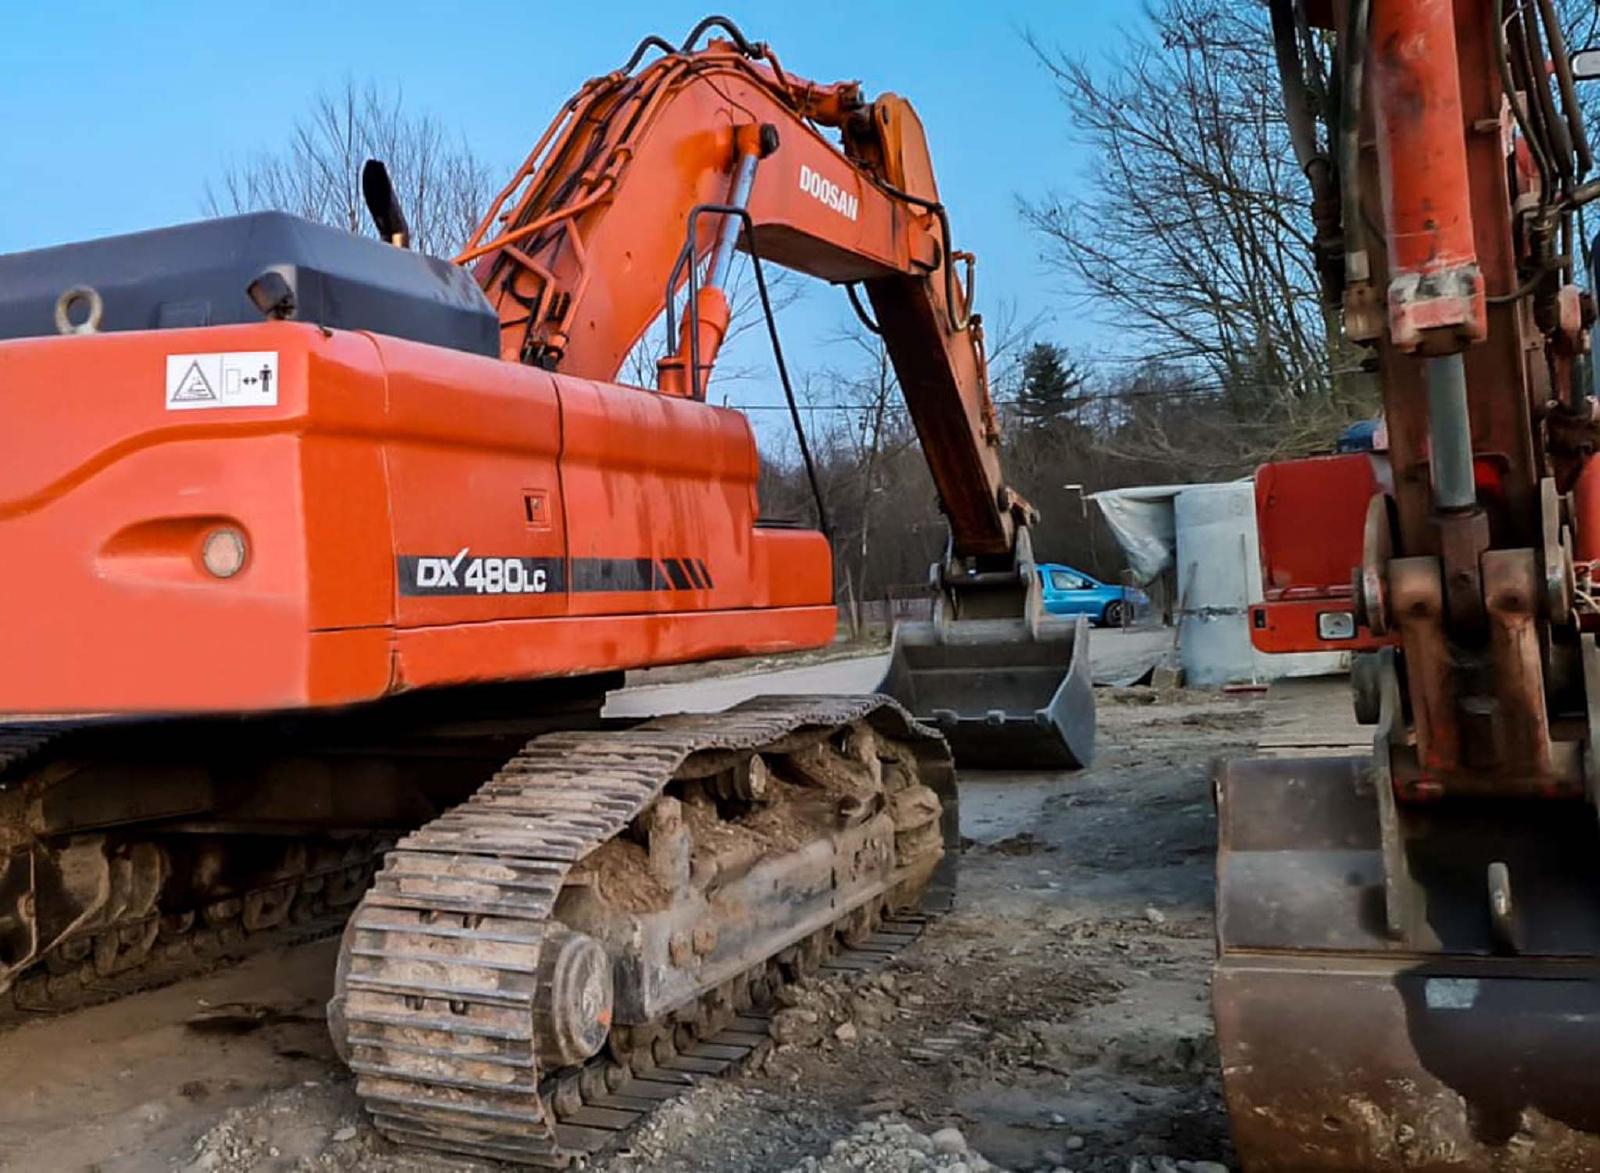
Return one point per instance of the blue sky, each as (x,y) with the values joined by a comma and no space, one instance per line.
(117,114)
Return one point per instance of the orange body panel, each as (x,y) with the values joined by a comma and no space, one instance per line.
(1309,519)
(587,501)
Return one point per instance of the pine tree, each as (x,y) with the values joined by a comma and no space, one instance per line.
(1050,385)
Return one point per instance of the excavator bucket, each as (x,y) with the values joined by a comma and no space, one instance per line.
(1006,693)
(1411,989)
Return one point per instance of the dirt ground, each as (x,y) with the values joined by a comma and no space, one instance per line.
(1057,1018)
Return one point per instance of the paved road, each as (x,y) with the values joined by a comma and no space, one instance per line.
(1118,658)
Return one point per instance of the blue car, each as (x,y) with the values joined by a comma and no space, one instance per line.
(1072,592)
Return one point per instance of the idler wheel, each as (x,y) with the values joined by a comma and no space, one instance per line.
(573,1016)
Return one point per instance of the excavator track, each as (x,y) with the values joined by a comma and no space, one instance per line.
(475,1001)
(157,948)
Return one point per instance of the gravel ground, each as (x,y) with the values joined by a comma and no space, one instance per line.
(1057,1018)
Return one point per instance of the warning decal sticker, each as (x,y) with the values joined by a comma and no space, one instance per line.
(242,378)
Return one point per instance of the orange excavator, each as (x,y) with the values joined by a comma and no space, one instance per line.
(1408,970)
(345,546)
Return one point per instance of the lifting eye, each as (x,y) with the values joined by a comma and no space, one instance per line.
(272,294)
(79,310)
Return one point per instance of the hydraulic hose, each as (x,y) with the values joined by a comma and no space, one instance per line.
(1357,267)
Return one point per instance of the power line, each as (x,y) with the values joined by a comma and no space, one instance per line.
(807,407)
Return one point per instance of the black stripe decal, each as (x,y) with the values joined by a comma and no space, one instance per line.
(693,572)
(705,573)
(612,574)
(680,580)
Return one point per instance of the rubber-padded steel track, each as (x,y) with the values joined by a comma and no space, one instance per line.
(438,975)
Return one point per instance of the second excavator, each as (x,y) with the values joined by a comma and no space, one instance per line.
(1409,942)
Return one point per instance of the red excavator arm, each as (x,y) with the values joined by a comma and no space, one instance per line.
(652,171)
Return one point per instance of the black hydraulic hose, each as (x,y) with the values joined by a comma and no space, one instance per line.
(1314,163)
(1509,84)
(788,394)
(1564,81)
(685,267)
(934,206)
(644,46)
(1291,78)
(1353,52)
(746,46)
(861,310)
(1550,126)
(727,26)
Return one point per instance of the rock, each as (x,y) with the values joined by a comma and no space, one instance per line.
(846,1032)
(1074,1143)
(1155,916)
(949,1141)
(348,1132)
(1165,676)
(1202,1167)
(957,1167)
(798,1026)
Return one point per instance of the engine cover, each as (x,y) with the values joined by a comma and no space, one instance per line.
(197,275)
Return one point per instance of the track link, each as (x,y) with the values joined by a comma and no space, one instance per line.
(160,948)
(445,968)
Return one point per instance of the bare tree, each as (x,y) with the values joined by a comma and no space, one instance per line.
(443,187)
(1193,233)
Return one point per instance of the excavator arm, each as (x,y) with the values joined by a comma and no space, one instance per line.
(584,250)
(1408,940)
(636,197)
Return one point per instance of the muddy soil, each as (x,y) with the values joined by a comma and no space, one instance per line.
(1056,1019)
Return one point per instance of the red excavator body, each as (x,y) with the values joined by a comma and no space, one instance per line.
(409,517)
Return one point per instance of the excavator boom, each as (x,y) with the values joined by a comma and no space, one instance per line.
(726,149)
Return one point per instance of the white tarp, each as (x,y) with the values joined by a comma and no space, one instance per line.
(1208,533)
(1141,518)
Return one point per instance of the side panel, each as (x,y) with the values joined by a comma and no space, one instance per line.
(471,446)
(648,476)
(639,510)
(106,497)
(1309,517)
(378,456)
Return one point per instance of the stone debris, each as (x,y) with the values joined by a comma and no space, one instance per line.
(836,1009)
(891,1145)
